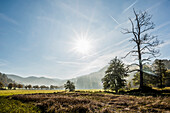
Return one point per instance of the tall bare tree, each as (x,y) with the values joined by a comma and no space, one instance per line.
(145,43)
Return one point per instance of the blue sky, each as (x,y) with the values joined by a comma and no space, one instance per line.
(37,37)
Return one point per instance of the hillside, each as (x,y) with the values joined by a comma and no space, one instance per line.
(5,80)
(35,80)
(167,63)
(89,81)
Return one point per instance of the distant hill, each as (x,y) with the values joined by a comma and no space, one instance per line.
(167,63)
(5,80)
(89,81)
(36,80)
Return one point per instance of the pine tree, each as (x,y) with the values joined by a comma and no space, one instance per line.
(114,78)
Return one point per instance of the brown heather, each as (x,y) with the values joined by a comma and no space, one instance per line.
(96,102)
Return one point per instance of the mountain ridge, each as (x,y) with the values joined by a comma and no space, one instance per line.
(89,81)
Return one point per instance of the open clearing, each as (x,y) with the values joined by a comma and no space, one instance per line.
(94,102)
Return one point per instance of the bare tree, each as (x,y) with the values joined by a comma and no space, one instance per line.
(145,43)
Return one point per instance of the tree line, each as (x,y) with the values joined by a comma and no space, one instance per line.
(21,86)
(68,86)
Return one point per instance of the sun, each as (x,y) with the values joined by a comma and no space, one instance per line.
(82,45)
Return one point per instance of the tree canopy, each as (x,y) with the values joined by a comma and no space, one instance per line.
(69,85)
(114,75)
(160,69)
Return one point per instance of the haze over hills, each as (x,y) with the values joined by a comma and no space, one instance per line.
(89,81)
(35,80)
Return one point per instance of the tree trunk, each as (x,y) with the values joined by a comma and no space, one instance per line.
(160,74)
(141,68)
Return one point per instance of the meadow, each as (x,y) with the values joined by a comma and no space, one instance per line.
(81,101)
(15,92)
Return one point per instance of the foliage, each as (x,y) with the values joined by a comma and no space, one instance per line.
(167,73)
(20,86)
(54,87)
(148,78)
(1,85)
(160,70)
(129,85)
(44,87)
(69,85)
(114,78)
(145,43)
(36,87)
(29,86)
(14,85)
(26,86)
(5,80)
(10,85)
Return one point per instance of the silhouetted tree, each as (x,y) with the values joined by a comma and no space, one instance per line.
(15,85)
(44,87)
(20,86)
(1,85)
(115,73)
(69,85)
(29,86)
(36,87)
(160,70)
(26,86)
(10,85)
(145,43)
(52,87)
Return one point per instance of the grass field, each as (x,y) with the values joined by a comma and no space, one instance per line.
(80,101)
(98,102)
(8,105)
(15,92)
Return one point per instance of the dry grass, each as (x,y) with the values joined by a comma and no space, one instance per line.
(82,102)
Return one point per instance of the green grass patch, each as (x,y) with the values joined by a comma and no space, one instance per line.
(14,106)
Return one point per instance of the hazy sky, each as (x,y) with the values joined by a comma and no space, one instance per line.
(39,37)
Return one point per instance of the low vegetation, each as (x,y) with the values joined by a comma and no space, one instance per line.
(81,101)
(14,106)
